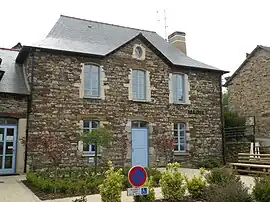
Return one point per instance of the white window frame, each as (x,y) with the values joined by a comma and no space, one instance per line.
(85,95)
(90,128)
(181,137)
(134,96)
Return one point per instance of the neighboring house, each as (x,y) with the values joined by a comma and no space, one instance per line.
(86,73)
(249,89)
(13,113)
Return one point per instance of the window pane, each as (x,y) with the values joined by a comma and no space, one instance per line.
(175,147)
(182,147)
(175,134)
(92,148)
(95,124)
(86,124)
(85,147)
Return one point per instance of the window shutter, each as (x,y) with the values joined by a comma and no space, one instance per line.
(148,86)
(80,143)
(81,93)
(186,89)
(170,89)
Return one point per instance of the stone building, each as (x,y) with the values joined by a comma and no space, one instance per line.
(86,73)
(249,89)
(13,113)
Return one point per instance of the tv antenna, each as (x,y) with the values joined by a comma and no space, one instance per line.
(165,23)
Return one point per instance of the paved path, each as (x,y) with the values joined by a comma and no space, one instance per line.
(13,190)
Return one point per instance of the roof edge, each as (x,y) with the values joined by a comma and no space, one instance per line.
(243,63)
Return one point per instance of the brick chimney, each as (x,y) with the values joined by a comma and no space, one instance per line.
(178,39)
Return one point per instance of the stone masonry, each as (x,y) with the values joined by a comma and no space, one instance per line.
(249,91)
(58,109)
(13,105)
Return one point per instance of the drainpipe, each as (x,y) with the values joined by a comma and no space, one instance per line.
(222,121)
(29,108)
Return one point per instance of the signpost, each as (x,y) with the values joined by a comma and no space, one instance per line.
(137,176)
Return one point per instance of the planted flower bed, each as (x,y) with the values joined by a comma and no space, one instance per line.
(69,182)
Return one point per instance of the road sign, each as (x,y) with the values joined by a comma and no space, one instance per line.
(137,176)
(138,191)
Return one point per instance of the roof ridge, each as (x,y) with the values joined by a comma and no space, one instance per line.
(107,23)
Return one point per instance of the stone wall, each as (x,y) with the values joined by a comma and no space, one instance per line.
(58,109)
(13,105)
(249,91)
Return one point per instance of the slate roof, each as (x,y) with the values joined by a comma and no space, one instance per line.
(97,38)
(13,79)
(258,47)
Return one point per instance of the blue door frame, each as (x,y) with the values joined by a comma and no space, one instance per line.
(140,147)
(8,139)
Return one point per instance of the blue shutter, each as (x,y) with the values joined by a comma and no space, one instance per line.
(91,81)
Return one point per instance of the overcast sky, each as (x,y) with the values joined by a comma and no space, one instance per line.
(219,32)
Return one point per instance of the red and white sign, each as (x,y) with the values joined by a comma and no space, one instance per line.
(137,176)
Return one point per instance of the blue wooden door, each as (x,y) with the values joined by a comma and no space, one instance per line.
(140,147)
(7,149)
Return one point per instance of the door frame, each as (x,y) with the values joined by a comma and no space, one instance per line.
(147,140)
(13,169)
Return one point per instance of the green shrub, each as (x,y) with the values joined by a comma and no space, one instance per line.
(151,196)
(155,175)
(196,186)
(110,189)
(76,181)
(209,163)
(172,183)
(261,189)
(221,176)
(231,192)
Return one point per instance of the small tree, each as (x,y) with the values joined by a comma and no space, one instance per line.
(100,137)
(163,145)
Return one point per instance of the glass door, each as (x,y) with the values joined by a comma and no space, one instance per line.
(7,149)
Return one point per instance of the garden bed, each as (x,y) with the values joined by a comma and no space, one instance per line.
(52,184)
(50,196)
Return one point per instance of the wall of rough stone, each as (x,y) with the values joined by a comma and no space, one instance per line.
(13,105)
(233,148)
(58,109)
(249,91)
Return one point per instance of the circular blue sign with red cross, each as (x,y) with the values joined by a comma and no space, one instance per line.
(137,176)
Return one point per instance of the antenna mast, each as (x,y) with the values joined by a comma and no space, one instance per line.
(165,25)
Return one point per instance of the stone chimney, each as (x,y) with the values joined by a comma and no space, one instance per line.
(178,39)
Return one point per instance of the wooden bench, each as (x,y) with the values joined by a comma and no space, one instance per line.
(252,163)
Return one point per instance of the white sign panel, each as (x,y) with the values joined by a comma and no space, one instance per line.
(1,137)
(138,191)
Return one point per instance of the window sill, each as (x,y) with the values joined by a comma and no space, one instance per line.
(181,103)
(143,101)
(181,153)
(94,98)
(90,155)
